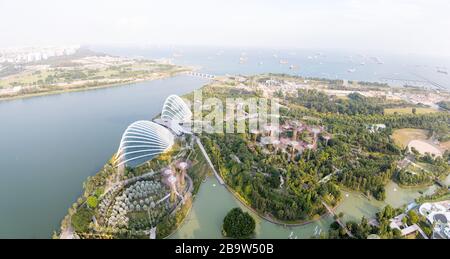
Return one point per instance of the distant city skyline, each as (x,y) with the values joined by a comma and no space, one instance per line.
(398,26)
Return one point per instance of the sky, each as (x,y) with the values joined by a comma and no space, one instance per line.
(405,26)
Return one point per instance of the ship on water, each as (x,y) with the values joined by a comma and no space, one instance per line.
(243,60)
(377,60)
(442,71)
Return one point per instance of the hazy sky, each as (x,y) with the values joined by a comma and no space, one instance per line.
(411,26)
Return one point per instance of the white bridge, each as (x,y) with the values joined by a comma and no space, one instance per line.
(202,75)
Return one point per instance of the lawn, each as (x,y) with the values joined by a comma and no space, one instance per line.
(402,137)
(408,110)
(24,78)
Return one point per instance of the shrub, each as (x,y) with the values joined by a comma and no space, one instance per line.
(92,202)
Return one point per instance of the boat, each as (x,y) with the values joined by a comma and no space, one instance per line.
(351,70)
(177,55)
(243,60)
(442,71)
(377,60)
(283,62)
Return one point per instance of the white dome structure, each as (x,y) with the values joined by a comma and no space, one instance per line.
(142,141)
(175,109)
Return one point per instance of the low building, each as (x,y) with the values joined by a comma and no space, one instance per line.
(438,215)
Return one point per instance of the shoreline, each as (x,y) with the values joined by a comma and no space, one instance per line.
(87,88)
(273,220)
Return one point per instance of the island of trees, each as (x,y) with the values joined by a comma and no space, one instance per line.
(238,224)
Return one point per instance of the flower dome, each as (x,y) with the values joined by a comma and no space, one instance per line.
(175,109)
(142,141)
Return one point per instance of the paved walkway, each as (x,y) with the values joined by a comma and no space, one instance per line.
(200,145)
(68,233)
(338,220)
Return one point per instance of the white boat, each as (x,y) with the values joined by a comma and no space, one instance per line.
(351,70)
(377,60)
(243,60)
(442,71)
(177,55)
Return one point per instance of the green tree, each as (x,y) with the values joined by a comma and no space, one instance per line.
(92,202)
(238,224)
(413,218)
(81,220)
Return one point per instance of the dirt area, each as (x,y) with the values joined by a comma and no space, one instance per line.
(402,137)
(424,147)
(445,146)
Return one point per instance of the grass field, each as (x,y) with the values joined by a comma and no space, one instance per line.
(408,110)
(402,137)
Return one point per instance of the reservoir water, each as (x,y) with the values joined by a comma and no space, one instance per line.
(49,145)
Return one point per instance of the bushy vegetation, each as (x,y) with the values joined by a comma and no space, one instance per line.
(428,169)
(320,102)
(81,219)
(238,224)
(257,178)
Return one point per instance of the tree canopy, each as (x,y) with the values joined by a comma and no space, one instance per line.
(238,224)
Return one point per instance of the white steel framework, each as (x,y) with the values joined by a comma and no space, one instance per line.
(143,140)
(175,109)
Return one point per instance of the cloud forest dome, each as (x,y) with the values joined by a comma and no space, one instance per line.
(142,141)
(175,109)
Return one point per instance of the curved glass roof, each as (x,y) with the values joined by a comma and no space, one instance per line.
(175,109)
(142,141)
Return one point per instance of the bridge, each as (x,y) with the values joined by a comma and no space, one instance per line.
(205,154)
(343,226)
(440,183)
(202,75)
